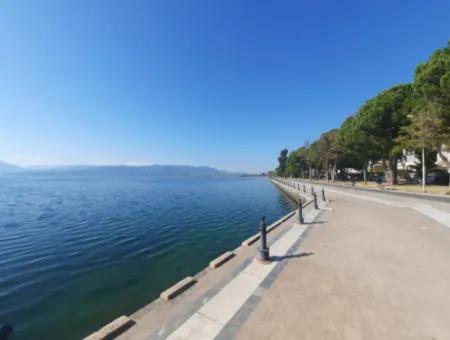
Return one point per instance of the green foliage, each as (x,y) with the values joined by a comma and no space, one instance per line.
(430,118)
(352,145)
(405,116)
(282,159)
(381,118)
(296,163)
(432,82)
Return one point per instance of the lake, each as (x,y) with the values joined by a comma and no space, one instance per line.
(76,251)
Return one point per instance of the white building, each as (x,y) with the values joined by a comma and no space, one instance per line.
(445,163)
(408,161)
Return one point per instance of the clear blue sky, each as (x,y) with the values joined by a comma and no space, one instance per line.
(220,83)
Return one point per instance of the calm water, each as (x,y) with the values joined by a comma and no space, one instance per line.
(76,252)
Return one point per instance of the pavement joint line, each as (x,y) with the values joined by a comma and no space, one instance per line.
(233,326)
(225,304)
(209,318)
(188,311)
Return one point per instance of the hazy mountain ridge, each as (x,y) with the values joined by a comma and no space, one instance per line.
(7,167)
(148,170)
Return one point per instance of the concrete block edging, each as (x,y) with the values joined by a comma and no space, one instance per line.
(113,329)
(254,238)
(123,323)
(178,288)
(225,257)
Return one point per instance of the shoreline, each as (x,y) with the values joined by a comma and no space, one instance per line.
(123,323)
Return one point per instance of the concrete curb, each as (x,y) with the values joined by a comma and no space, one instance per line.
(254,238)
(178,288)
(113,329)
(225,257)
(121,324)
(248,242)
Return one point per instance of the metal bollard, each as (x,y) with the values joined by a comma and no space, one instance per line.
(315,201)
(304,188)
(263,250)
(312,190)
(323,195)
(300,211)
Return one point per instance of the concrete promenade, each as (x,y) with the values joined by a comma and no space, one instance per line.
(363,266)
(379,270)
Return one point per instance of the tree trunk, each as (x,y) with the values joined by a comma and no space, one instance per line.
(387,171)
(390,170)
(333,173)
(394,170)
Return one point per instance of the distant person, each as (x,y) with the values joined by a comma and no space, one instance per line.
(6,332)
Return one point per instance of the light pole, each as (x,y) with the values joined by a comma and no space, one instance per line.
(422,144)
(423,155)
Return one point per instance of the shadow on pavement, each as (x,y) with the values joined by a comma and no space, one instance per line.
(292,256)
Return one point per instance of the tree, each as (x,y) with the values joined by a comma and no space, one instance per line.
(296,163)
(432,89)
(281,170)
(426,132)
(432,81)
(408,116)
(328,152)
(380,120)
(306,150)
(315,159)
(354,147)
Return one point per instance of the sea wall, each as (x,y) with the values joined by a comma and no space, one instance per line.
(202,278)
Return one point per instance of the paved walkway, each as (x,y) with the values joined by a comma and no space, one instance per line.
(364,267)
(379,271)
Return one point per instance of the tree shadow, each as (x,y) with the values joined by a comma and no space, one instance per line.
(291,256)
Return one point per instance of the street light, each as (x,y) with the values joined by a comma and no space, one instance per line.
(423,156)
(422,144)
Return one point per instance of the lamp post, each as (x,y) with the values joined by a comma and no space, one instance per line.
(422,145)
(423,157)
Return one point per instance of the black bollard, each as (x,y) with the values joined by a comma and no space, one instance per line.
(323,195)
(263,250)
(312,190)
(315,201)
(300,212)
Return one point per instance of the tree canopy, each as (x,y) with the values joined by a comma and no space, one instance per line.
(405,116)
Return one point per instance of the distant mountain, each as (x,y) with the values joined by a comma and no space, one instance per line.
(124,170)
(7,168)
(152,170)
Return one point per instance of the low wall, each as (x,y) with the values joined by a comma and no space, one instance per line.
(123,323)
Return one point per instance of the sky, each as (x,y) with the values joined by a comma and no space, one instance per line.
(226,84)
